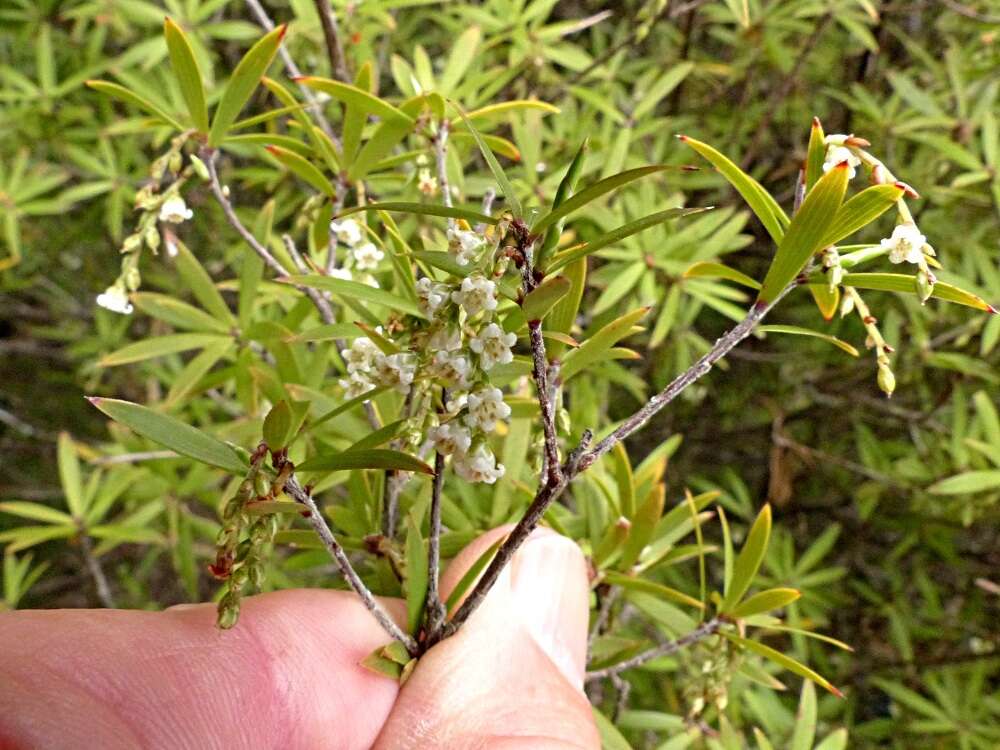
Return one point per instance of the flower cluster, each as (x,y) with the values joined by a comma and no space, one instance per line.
(455,350)
(362,256)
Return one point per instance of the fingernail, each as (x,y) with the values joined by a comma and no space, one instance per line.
(551,594)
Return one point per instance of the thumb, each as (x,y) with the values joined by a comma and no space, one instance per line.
(512,677)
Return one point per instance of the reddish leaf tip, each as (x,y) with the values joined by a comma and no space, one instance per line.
(282,30)
(682,137)
(271,149)
(816,122)
(93,399)
(990,309)
(690,168)
(835,691)
(843,165)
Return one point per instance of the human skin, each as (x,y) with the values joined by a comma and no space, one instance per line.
(288,675)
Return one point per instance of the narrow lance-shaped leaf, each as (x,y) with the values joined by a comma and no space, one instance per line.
(709,270)
(771,215)
(501,177)
(425,209)
(159,346)
(303,168)
(416,575)
(376,458)
(543,298)
(185,68)
(798,331)
(898,282)
(172,433)
(595,191)
(566,187)
(356,97)
(571,254)
(355,290)
(861,210)
(201,285)
(784,661)
(121,93)
(806,232)
(816,154)
(827,299)
(749,559)
(241,85)
(471,576)
(765,601)
(69,475)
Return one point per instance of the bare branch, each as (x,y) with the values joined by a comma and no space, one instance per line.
(331,33)
(435,607)
(440,142)
(704,630)
(316,520)
(94,567)
(209,156)
(294,72)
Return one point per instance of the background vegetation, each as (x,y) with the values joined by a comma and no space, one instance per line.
(886,511)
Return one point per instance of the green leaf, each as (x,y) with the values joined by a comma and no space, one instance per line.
(121,93)
(595,191)
(375,458)
(355,116)
(540,300)
(634,583)
(749,560)
(816,155)
(501,177)
(784,661)
(270,507)
(355,290)
(347,406)
(595,348)
(172,433)
(241,85)
(765,601)
(462,55)
(760,201)
(159,346)
(303,168)
(827,299)
(798,331)
(611,738)
(566,187)
(502,108)
(69,476)
(617,235)
(805,719)
(177,313)
(806,232)
(425,209)
(201,285)
(282,423)
(860,211)
(710,270)
(416,575)
(967,483)
(564,314)
(36,512)
(188,74)
(471,576)
(356,97)
(380,665)
(28,536)
(898,282)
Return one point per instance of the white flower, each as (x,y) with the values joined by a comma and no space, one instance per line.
(346,231)
(360,355)
(445,339)
(486,408)
(836,154)
(493,346)
(426,182)
(476,294)
(174,210)
(835,139)
(432,295)
(115,299)
(341,273)
(906,244)
(456,402)
(478,466)
(396,370)
(366,256)
(453,368)
(464,244)
(450,438)
(355,384)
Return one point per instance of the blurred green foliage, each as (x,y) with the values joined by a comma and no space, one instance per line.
(885,511)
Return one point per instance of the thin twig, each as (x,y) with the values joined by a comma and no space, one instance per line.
(316,520)
(704,630)
(294,253)
(331,34)
(603,615)
(581,458)
(209,156)
(435,607)
(440,141)
(100,580)
(294,72)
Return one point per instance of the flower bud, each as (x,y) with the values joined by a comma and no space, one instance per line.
(256,574)
(176,162)
(886,379)
(228,612)
(132,279)
(846,306)
(232,509)
(152,237)
(261,486)
(238,580)
(924,284)
(199,168)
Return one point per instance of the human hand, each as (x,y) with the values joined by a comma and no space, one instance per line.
(288,675)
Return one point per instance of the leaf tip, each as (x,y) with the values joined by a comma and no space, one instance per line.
(682,138)
(907,190)
(843,165)
(690,168)
(282,30)
(816,122)
(990,309)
